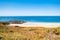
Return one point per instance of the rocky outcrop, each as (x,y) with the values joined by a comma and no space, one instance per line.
(4,23)
(16,22)
(11,22)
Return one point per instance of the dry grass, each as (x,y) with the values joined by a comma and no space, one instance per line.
(25,33)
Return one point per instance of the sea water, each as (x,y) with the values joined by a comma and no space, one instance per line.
(31,18)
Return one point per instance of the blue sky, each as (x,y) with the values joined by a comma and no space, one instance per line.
(29,7)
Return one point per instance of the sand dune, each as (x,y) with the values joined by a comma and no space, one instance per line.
(37,24)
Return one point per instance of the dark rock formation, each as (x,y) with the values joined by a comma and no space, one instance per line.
(16,22)
(4,23)
(12,22)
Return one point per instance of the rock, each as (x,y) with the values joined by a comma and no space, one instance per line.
(16,22)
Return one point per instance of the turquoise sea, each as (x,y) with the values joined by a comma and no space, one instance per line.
(31,18)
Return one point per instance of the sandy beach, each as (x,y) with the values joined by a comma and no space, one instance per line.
(37,24)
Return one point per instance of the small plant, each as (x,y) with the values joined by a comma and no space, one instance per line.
(57,33)
(31,29)
(16,26)
(25,38)
(11,31)
(1,38)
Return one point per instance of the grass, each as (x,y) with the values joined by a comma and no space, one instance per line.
(25,33)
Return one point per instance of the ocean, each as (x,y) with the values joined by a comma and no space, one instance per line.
(31,18)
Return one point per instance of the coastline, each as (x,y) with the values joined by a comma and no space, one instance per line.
(38,24)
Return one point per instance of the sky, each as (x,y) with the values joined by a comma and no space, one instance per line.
(29,7)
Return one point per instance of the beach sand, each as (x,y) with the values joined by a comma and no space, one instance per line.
(37,24)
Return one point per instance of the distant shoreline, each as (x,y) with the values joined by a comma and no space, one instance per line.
(37,24)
